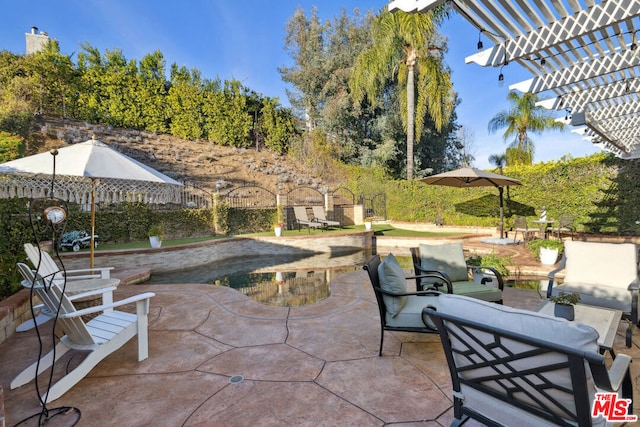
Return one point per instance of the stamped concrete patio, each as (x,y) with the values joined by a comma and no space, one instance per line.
(314,365)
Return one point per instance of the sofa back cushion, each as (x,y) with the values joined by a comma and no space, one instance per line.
(392,279)
(602,264)
(448,258)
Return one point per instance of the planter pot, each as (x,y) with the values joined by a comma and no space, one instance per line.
(155,241)
(548,256)
(367,225)
(278,231)
(564,310)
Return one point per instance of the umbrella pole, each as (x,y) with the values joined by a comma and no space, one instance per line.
(93,223)
(500,190)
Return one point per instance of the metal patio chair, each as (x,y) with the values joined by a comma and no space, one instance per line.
(517,367)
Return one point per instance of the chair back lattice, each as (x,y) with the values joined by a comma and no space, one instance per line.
(56,301)
(546,380)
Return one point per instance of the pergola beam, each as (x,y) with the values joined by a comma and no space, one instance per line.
(584,71)
(580,99)
(572,27)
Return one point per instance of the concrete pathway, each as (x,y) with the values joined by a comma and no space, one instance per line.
(316,365)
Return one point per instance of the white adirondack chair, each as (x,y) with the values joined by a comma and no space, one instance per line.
(100,336)
(77,281)
(43,262)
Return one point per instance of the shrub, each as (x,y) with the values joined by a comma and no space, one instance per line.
(499,262)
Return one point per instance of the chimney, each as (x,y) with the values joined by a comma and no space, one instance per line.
(34,30)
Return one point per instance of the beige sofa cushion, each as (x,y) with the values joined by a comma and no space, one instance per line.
(605,264)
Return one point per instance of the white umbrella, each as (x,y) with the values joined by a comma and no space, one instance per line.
(90,169)
(471,177)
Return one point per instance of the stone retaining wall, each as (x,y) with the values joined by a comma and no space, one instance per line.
(14,311)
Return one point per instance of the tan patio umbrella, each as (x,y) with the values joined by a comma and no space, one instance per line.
(471,177)
(85,173)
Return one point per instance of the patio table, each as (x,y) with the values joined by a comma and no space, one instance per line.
(544,225)
(604,320)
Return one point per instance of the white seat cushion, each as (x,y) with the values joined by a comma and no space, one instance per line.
(411,313)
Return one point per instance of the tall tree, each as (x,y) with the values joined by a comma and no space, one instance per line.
(152,86)
(404,48)
(523,117)
(184,103)
(305,43)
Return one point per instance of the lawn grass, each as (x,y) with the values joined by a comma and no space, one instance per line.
(145,243)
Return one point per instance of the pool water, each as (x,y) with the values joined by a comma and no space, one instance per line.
(287,281)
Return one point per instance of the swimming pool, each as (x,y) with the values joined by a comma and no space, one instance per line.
(285,281)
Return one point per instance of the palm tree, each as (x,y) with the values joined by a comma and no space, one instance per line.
(498,160)
(523,117)
(403,49)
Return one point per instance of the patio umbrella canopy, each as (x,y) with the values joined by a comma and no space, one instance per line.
(471,177)
(85,173)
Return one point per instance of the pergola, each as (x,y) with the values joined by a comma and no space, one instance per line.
(583,55)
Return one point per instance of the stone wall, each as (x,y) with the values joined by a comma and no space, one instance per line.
(14,311)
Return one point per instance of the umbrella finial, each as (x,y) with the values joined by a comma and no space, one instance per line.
(54,151)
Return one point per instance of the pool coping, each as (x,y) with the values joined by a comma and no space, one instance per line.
(194,254)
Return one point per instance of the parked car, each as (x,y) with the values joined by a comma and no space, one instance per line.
(75,240)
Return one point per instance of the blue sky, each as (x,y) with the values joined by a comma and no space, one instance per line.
(245,40)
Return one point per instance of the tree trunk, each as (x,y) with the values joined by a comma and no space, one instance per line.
(410,119)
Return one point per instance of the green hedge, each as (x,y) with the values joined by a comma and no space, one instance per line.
(601,192)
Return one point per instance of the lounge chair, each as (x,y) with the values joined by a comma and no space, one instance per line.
(517,367)
(101,336)
(603,274)
(399,309)
(319,216)
(302,219)
(448,261)
(77,281)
